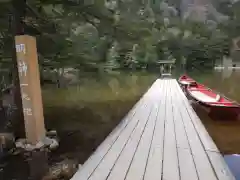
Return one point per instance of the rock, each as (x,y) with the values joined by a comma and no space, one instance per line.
(21,143)
(52,138)
(54,144)
(47,142)
(51,143)
(62,170)
(51,134)
(29,147)
(39,145)
(69,169)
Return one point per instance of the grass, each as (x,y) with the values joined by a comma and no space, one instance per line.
(85,114)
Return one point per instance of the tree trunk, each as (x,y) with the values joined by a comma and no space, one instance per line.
(62,83)
(60,77)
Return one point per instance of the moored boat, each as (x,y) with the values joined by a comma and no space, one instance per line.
(217,103)
(185,80)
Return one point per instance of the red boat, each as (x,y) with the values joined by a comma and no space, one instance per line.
(217,103)
(185,80)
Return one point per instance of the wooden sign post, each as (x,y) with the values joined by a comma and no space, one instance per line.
(28,71)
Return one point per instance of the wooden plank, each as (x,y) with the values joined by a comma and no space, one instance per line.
(203,166)
(129,151)
(220,166)
(123,163)
(170,159)
(181,137)
(186,163)
(155,157)
(161,138)
(138,166)
(203,134)
(101,151)
(129,132)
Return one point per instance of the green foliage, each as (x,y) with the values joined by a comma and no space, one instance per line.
(97,35)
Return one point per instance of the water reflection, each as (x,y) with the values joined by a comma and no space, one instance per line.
(225,133)
(85,113)
(224,81)
(233,162)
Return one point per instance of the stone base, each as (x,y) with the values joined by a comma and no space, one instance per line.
(50,142)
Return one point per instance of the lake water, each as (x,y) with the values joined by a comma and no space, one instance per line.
(84,115)
(228,84)
(226,132)
(233,162)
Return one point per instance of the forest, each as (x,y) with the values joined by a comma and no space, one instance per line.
(78,39)
(101,36)
(97,37)
(81,41)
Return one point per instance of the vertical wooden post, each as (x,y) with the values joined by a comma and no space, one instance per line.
(18,28)
(28,71)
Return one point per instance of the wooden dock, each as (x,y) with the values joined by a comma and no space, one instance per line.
(161,138)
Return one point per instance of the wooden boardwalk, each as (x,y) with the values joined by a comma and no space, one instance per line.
(161,138)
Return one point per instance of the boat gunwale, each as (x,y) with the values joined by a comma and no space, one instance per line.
(234,104)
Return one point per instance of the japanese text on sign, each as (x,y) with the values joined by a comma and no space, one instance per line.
(22,67)
(23,85)
(25,97)
(27,111)
(21,48)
